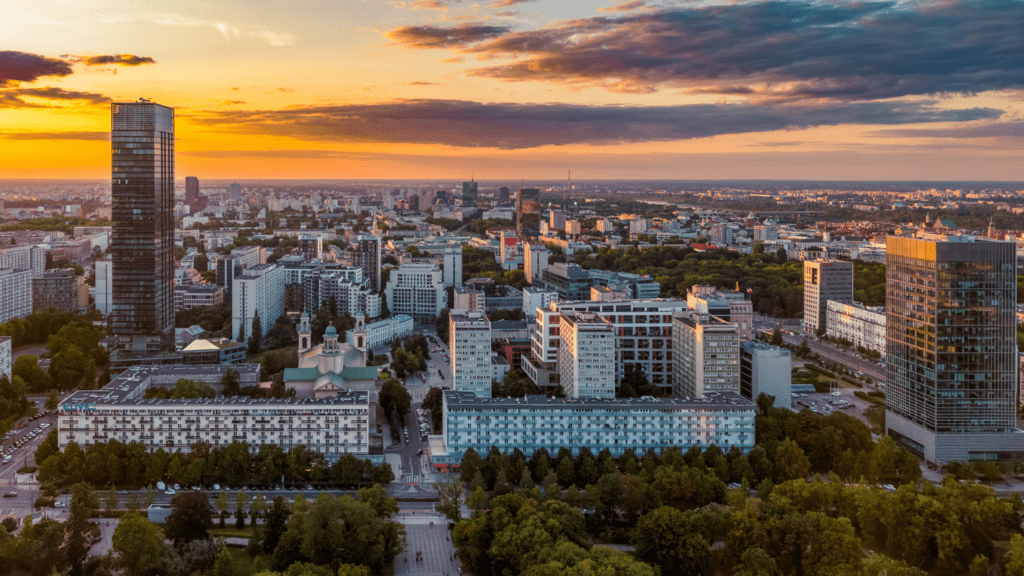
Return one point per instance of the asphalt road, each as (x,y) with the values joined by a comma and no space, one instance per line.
(827,351)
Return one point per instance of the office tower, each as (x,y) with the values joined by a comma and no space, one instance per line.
(15,293)
(416,290)
(503,195)
(236,191)
(705,355)
(535,260)
(259,289)
(469,193)
(104,286)
(453,264)
(142,206)
(824,280)
(56,289)
(951,350)
(766,369)
(195,200)
(586,355)
(528,213)
(367,257)
(311,246)
(469,340)
(556,220)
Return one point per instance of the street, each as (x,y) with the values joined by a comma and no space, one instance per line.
(828,352)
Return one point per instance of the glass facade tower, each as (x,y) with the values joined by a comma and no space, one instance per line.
(469,194)
(951,350)
(528,213)
(142,197)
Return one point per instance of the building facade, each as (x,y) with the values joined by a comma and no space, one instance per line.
(951,353)
(55,289)
(824,280)
(5,356)
(453,264)
(15,293)
(706,355)
(367,257)
(766,369)
(586,355)
(142,209)
(416,290)
(729,305)
(638,424)
(535,297)
(860,324)
(528,213)
(469,342)
(535,260)
(384,331)
(260,289)
(197,296)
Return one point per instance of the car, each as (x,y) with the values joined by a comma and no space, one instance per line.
(60,504)
(170,492)
(177,487)
(10,494)
(216,487)
(122,492)
(309,487)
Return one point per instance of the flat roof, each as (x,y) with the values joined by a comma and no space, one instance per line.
(465,399)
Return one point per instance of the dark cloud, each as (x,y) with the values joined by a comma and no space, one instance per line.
(25,67)
(57,136)
(774,49)
(14,97)
(435,37)
(281,154)
(515,126)
(118,59)
(1013,129)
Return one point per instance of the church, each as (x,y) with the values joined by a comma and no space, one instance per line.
(329,368)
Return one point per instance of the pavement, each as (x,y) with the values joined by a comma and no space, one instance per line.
(428,534)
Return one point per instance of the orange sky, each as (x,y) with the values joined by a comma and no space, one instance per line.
(513,89)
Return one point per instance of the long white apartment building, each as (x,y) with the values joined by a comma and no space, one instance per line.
(643,335)
(384,331)
(31,257)
(618,424)
(860,324)
(586,355)
(469,341)
(416,290)
(706,352)
(15,293)
(259,288)
(332,426)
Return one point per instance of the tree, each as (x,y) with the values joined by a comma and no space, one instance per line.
(224,565)
(221,502)
(672,540)
(256,334)
(137,545)
(776,336)
(1015,557)
(110,500)
(274,527)
(441,324)
(229,383)
(84,503)
(395,400)
(790,461)
(52,400)
(450,492)
(353,570)
(189,519)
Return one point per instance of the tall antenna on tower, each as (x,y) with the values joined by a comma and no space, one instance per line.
(568,183)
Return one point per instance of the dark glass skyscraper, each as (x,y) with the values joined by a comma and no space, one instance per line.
(469,195)
(528,213)
(367,257)
(951,349)
(142,197)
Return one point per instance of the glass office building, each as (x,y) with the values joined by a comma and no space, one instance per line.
(951,349)
(142,193)
(469,194)
(528,214)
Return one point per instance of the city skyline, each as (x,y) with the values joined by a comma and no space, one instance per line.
(429,89)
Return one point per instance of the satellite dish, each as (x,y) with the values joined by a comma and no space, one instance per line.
(161,486)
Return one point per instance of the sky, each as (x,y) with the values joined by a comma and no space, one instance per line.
(521,89)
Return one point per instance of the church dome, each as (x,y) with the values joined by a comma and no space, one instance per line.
(330,332)
(353,358)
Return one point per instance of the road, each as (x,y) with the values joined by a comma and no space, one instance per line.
(828,352)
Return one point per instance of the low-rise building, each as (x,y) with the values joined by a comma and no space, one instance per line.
(860,324)
(197,296)
(766,369)
(216,351)
(384,331)
(618,424)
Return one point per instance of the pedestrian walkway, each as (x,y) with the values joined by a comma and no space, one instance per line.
(426,533)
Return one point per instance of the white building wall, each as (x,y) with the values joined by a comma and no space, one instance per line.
(469,342)
(857,323)
(5,356)
(586,357)
(770,371)
(416,290)
(15,294)
(104,287)
(535,297)
(384,331)
(261,288)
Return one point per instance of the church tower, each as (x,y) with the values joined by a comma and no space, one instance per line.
(305,333)
(359,334)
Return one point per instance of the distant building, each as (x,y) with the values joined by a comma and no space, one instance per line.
(453,264)
(556,220)
(249,256)
(312,247)
(197,296)
(469,300)
(721,234)
(508,251)
(260,289)
(766,233)
(824,280)
(469,193)
(5,356)
(367,257)
(535,259)
(705,355)
(570,281)
(55,289)
(766,369)
(586,355)
(469,341)
(537,297)
(416,290)
(729,305)
(528,213)
(195,200)
(857,323)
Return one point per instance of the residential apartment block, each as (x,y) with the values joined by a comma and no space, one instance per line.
(469,342)
(706,355)
(824,280)
(15,293)
(261,289)
(860,324)
(416,290)
(586,355)
(55,289)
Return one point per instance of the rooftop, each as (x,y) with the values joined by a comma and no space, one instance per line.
(464,399)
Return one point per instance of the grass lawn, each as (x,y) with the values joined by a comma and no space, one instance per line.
(243,563)
(232,532)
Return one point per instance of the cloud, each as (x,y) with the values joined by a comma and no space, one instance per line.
(280,154)
(13,97)
(515,126)
(57,136)
(624,7)
(1013,129)
(118,59)
(784,50)
(26,67)
(422,83)
(425,5)
(228,31)
(437,37)
(505,3)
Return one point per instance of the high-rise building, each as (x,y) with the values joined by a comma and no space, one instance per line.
(195,200)
(260,289)
(453,264)
(536,297)
(5,356)
(15,293)
(824,280)
(469,193)
(367,257)
(104,286)
(503,195)
(766,369)
(56,289)
(586,355)
(228,269)
(528,213)
(416,290)
(469,340)
(236,191)
(142,206)
(556,220)
(705,355)
(311,246)
(951,349)
(508,251)
(535,259)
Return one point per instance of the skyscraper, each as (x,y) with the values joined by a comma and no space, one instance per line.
(528,213)
(141,247)
(469,195)
(236,191)
(367,257)
(951,354)
(503,195)
(824,280)
(193,197)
